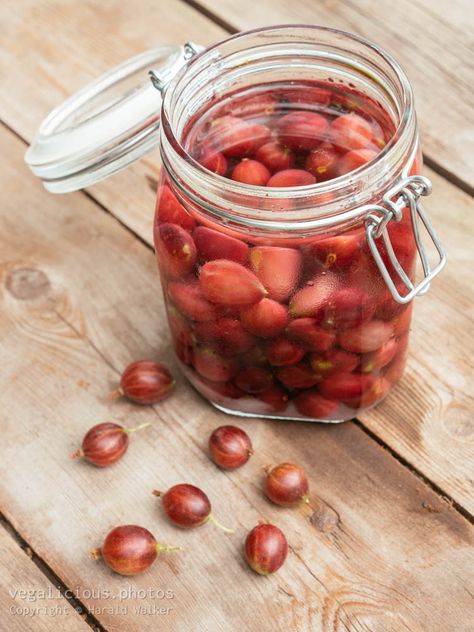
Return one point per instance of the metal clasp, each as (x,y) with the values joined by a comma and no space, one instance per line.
(161,79)
(405,193)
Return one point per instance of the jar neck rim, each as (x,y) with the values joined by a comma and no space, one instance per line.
(347,191)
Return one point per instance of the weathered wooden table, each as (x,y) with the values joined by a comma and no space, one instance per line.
(389,544)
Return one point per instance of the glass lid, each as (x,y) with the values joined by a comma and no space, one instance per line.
(108,124)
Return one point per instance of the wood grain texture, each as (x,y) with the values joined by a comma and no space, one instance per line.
(51,49)
(428,417)
(79,298)
(28,601)
(433,41)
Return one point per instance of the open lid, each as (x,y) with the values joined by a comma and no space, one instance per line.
(108,124)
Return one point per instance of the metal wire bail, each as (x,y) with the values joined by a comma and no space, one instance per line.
(405,193)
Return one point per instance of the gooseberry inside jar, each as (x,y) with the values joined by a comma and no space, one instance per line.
(296,323)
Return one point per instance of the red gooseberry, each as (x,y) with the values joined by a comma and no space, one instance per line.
(130,549)
(179,327)
(145,382)
(279,269)
(226,335)
(175,250)
(254,104)
(266,549)
(213,366)
(181,335)
(401,324)
(346,308)
(189,299)
(286,485)
(261,134)
(215,161)
(170,211)
(284,352)
(350,131)
(380,357)
(353,160)
(368,337)
(321,162)
(275,398)
(212,244)
(275,156)
(311,337)
(371,395)
(297,376)
(218,392)
(251,172)
(333,361)
(106,443)
(230,447)
(254,379)
(266,319)
(394,371)
(312,404)
(232,136)
(188,506)
(302,130)
(229,283)
(310,299)
(346,386)
(291,178)
(337,253)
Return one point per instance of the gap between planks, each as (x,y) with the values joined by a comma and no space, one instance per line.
(404,462)
(51,576)
(416,472)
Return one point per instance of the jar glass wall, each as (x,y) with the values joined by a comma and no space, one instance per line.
(275,303)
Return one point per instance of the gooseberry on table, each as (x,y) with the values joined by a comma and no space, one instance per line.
(187,506)
(105,443)
(130,549)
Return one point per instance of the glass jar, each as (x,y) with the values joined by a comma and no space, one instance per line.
(291,302)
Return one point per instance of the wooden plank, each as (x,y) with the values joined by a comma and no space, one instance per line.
(428,417)
(434,45)
(28,601)
(50,49)
(426,429)
(80,299)
(457,13)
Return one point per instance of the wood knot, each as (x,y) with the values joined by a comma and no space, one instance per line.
(27,283)
(458,422)
(324,518)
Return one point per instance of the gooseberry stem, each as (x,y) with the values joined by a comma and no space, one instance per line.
(140,427)
(160,548)
(116,393)
(218,524)
(96,553)
(78,454)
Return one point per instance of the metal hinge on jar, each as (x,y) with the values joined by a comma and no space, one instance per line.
(161,79)
(405,193)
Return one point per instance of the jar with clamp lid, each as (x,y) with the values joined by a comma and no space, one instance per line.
(289,215)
